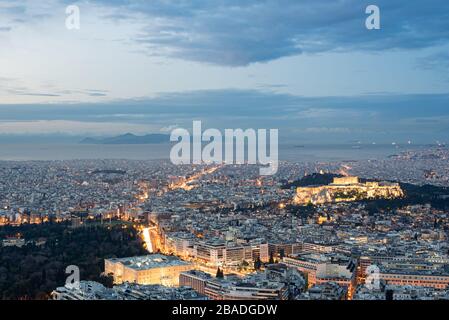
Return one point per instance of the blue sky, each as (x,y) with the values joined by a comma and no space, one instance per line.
(309,68)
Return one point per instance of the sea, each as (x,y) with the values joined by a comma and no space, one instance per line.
(287,152)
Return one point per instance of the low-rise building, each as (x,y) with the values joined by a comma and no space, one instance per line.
(150,269)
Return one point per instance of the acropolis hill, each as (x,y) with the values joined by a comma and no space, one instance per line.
(347,189)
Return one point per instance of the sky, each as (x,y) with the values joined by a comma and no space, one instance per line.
(310,68)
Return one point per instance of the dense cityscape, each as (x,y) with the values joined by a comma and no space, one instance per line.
(222,232)
(221,158)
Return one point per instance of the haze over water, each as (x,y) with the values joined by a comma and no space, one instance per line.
(45,152)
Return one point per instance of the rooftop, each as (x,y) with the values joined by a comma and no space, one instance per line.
(149,261)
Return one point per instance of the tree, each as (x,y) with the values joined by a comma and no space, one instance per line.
(220,273)
(32,272)
(107,280)
(257,264)
(282,253)
(44,275)
(42,296)
(271,261)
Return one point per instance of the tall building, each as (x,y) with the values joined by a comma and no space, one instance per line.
(322,268)
(326,291)
(278,249)
(194,279)
(248,289)
(178,243)
(90,290)
(211,252)
(254,287)
(235,254)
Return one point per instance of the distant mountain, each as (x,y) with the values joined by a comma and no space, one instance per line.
(89,141)
(129,138)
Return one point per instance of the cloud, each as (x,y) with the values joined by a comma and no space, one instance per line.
(27,11)
(14,87)
(34,94)
(321,119)
(12,8)
(436,61)
(328,113)
(71,128)
(238,33)
(169,128)
(327,130)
